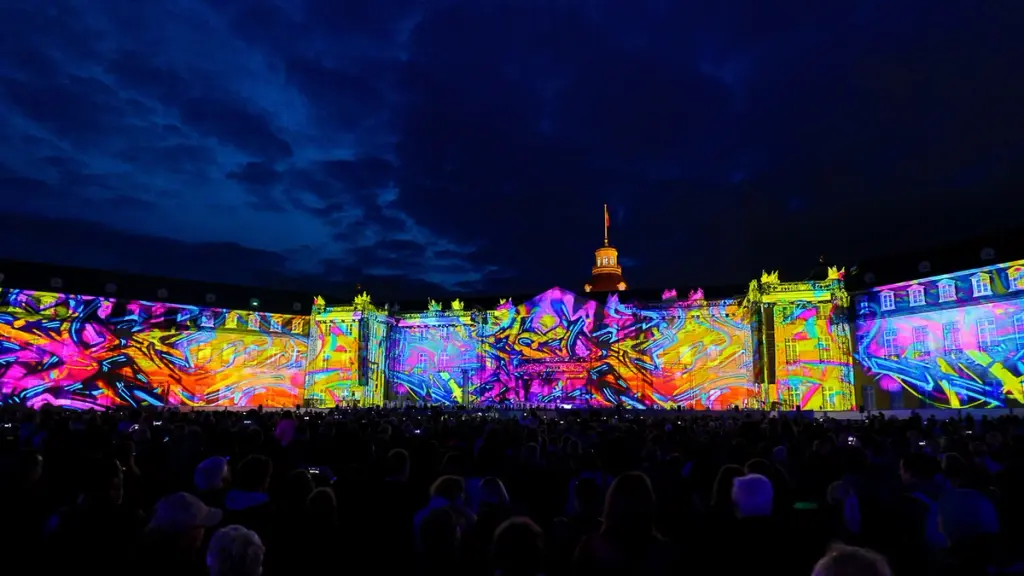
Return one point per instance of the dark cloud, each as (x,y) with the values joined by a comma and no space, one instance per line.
(469,145)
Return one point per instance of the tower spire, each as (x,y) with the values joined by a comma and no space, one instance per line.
(606,223)
(606,275)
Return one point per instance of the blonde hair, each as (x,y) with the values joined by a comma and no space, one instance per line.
(235,551)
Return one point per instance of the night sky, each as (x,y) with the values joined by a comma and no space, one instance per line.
(423,147)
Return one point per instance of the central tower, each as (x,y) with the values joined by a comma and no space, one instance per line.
(606,275)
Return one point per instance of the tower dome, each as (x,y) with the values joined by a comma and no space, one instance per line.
(606,275)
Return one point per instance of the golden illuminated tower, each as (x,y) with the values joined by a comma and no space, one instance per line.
(606,275)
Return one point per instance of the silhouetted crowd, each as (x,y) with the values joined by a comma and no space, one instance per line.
(461,492)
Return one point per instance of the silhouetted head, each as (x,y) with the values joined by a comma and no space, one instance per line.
(518,548)
(398,464)
(752,496)
(254,474)
(629,506)
(851,561)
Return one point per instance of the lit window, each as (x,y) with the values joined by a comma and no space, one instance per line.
(921,349)
(254,322)
(231,320)
(1017,279)
(792,351)
(421,363)
(206,319)
(951,340)
(297,325)
(982,284)
(947,290)
(890,340)
(986,333)
(1018,330)
(916,295)
(203,356)
(888,300)
(442,360)
(825,350)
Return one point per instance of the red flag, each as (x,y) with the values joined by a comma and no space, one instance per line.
(607,222)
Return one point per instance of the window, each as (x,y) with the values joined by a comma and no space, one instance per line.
(713,353)
(1017,279)
(888,300)
(947,290)
(916,295)
(203,356)
(444,333)
(825,350)
(206,320)
(982,284)
(254,322)
(297,325)
(421,363)
(986,333)
(1018,330)
(231,320)
(442,360)
(890,342)
(951,340)
(921,349)
(869,398)
(792,351)
(252,356)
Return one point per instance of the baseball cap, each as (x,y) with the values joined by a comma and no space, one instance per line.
(182,511)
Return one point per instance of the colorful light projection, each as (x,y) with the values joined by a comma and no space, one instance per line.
(958,343)
(88,352)
(434,355)
(559,348)
(333,373)
(805,325)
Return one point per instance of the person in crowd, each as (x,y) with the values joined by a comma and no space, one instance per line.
(518,549)
(850,561)
(235,551)
(628,542)
(177,533)
(438,537)
(448,492)
(212,480)
(248,504)
(99,510)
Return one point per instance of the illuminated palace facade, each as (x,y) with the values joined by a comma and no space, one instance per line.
(946,341)
(781,344)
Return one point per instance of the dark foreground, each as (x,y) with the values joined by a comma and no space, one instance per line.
(515,492)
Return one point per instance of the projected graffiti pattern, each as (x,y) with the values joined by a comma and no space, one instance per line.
(433,357)
(83,352)
(960,345)
(560,348)
(812,360)
(333,371)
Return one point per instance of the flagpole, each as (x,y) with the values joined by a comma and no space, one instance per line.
(605,224)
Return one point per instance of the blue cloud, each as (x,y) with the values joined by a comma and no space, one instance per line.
(468,145)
